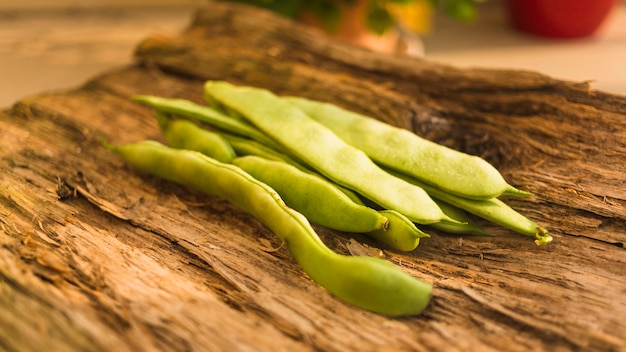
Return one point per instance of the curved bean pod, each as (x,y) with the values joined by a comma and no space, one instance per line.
(244,147)
(313,196)
(321,149)
(184,134)
(191,110)
(402,150)
(466,225)
(322,203)
(366,282)
(493,210)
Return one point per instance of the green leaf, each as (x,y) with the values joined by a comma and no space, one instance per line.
(462,10)
(328,13)
(378,19)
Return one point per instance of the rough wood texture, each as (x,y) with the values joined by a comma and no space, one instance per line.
(95,256)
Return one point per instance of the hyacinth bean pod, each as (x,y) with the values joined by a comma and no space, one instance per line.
(369,283)
(396,148)
(466,225)
(205,114)
(493,210)
(313,196)
(322,150)
(184,134)
(244,147)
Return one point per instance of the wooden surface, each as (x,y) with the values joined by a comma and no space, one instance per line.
(95,256)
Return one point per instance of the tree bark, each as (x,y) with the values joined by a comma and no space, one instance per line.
(97,257)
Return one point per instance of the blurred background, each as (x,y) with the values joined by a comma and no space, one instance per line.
(59,44)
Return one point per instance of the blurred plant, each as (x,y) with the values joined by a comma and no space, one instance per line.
(380,15)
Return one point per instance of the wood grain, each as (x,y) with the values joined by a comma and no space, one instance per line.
(97,257)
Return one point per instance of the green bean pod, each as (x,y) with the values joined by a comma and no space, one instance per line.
(321,149)
(184,134)
(322,203)
(245,146)
(210,116)
(313,196)
(466,225)
(493,210)
(366,282)
(402,150)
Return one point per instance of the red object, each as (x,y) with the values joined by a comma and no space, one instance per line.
(559,18)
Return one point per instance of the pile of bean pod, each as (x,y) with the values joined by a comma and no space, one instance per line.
(290,162)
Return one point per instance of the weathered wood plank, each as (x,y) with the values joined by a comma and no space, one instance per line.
(126,262)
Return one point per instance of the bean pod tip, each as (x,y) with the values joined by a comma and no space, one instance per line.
(542,236)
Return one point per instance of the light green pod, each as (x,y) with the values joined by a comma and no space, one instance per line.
(493,210)
(401,233)
(466,225)
(320,202)
(366,282)
(210,116)
(184,134)
(402,150)
(244,146)
(313,196)
(322,150)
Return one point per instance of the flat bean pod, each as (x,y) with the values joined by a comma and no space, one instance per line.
(466,225)
(313,196)
(402,150)
(245,146)
(210,116)
(321,149)
(493,210)
(184,134)
(322,203)
(369,283)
